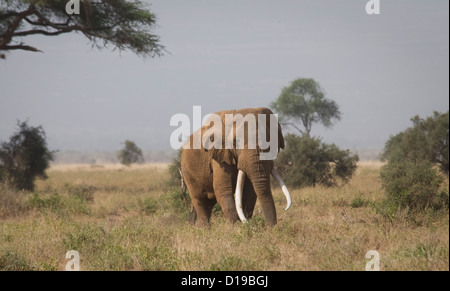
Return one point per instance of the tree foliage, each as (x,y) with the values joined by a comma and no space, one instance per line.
(124,24)
(24,157)
(413,185)
(174,170)
(308,161)
(426,140)
(410,178)
(303,104)
(130,154)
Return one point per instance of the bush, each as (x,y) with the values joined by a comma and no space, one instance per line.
(427,140)
(308,161)
(174,170)
(11,202)
(359,202)
(413,186)
(24,158)
(130,154)
(177,182)
(53,202)
(63,205)
(148,206)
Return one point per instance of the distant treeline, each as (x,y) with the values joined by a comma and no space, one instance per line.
(161,156)
(108,157)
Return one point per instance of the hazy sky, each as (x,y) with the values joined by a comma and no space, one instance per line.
(381,70)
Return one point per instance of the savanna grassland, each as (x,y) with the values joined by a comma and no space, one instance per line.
(121,218)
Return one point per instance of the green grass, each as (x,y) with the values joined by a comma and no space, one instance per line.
(129,219)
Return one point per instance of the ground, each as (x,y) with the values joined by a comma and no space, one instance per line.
(129,218)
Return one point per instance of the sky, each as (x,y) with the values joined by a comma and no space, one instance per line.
(380,69)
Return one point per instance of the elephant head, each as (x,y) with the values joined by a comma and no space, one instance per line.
(243,143)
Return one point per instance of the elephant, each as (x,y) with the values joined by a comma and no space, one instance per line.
(234,177)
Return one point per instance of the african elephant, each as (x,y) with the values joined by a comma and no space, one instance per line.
(214,174)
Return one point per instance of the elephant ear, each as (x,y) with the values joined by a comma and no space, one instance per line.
(221,155)
(281,143)
(225,155)
(280,138)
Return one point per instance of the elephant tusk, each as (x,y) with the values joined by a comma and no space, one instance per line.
(283,188)
(238,196)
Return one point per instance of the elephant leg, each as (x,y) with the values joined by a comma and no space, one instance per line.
(192,215)
(203,209)
(200,212)
(249,199)
(203,206)
(228,206)
(224,184)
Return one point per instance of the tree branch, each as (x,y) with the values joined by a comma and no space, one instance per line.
(20,47)
(8,14)
(44,21)
(45,32)
(38,31)
(7,36)
(124,25)
(294,126)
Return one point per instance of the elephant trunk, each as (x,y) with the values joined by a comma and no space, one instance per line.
(260,180)
(258,172)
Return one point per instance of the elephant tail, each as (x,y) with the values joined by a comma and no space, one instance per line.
(182,184)
(186,200)
(183,188)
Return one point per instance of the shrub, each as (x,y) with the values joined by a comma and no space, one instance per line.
(426,140)
(130,154)
(64,205)
(11,202)
(25,157)
(413,185)
(180,194)
(308,161)
(148,206)
(174,170)
(53,202)
(359,202)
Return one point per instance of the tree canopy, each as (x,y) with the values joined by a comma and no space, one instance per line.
(123,24)
(306,160)
(24,157)
(303,104)
(130,154)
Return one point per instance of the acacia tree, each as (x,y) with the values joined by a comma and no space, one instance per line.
(24,157)
(130,154)
(306,160)
(123,24)
(303,103)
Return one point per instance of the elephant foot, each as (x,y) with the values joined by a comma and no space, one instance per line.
(203,224)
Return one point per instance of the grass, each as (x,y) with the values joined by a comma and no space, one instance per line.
(121,218)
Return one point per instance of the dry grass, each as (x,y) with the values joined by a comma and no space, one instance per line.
(121,218)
